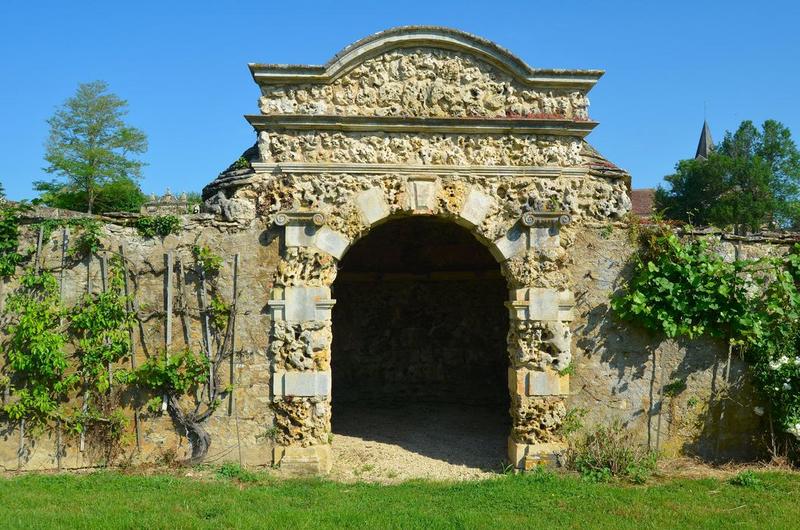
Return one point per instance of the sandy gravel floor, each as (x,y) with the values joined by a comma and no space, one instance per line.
(442,442)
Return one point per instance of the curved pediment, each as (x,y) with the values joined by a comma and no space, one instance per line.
(425,71)
(424,37)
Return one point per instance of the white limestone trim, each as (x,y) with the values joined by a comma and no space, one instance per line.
(537,303)
(372,205)
(301,304)
(546,384)
(423,36)
(301,384)
(402,124)
(421,193)
(331,241)
(417,169)
(476,207)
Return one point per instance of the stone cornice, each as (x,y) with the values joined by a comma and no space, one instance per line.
(416,169)
(304,122)
(423,36)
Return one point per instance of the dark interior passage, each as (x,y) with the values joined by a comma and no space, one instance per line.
(419,320)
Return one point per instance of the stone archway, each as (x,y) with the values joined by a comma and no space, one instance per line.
(537,339)
(419,362)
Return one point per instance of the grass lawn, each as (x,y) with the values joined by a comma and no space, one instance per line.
(114,500)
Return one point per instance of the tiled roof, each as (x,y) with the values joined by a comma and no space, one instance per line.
(643,200)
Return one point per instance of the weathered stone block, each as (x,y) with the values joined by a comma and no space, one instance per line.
(476,207)
(526,457)
(301,303)
(537,303)
(514,242)
(546,384)
(372,205)
(301,384)
(302,461)
(300,235)
(421,192)
(544,237)
(330,241)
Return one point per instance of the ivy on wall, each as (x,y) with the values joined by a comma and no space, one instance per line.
(63,365)
(681,286)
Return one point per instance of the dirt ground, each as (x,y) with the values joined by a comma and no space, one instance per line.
(440,442)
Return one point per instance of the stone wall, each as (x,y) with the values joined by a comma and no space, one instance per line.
(416,122)
(619,369)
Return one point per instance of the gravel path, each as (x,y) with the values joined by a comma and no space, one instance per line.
(441,442)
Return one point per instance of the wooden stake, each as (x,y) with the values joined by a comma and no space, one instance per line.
(169,261)
(58,445)
(37,258)
(104,283)
(234,309)
(21,443)
(128,303)
(64,244)
(184,310)
(206,330)
(129,307)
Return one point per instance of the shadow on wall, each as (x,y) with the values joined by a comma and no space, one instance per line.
(682,397)
(419,343)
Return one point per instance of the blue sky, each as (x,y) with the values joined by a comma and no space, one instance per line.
(182,66)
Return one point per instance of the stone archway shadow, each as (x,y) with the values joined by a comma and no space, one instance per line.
(419,360)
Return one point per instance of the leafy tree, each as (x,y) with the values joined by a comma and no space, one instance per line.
(89,149)
(2,191)
(752,180)
(119,195)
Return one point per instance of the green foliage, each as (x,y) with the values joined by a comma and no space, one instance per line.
(34,350)
(206,259)
(573,421)
(100,323)
(173,374)
(87,241)
(241,163)
(219,312)
(90,145)
(611,452)
(673,388)
(233,471)
(158,225)
(746,479)
(752,180)
(189,500)
(119,195)
(10,215)
(684,288)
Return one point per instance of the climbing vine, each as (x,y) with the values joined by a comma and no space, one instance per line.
(682,287)
(36,361)
(10,215)
(158,225)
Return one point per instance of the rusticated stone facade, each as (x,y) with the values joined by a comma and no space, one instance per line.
(415,122)
(432,122)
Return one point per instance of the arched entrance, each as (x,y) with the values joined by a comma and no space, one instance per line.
(419,358)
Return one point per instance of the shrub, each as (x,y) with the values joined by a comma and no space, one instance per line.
(746,479)
(159,225)
(611,452)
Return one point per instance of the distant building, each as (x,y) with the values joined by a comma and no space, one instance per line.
(643,199)
(166,205)
(706,144)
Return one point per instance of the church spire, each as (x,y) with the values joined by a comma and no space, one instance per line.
(706,144)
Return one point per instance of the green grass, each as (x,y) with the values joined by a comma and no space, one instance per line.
(113,500)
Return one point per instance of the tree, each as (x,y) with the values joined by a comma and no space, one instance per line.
(2,191)
(90,148)
(751,180)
